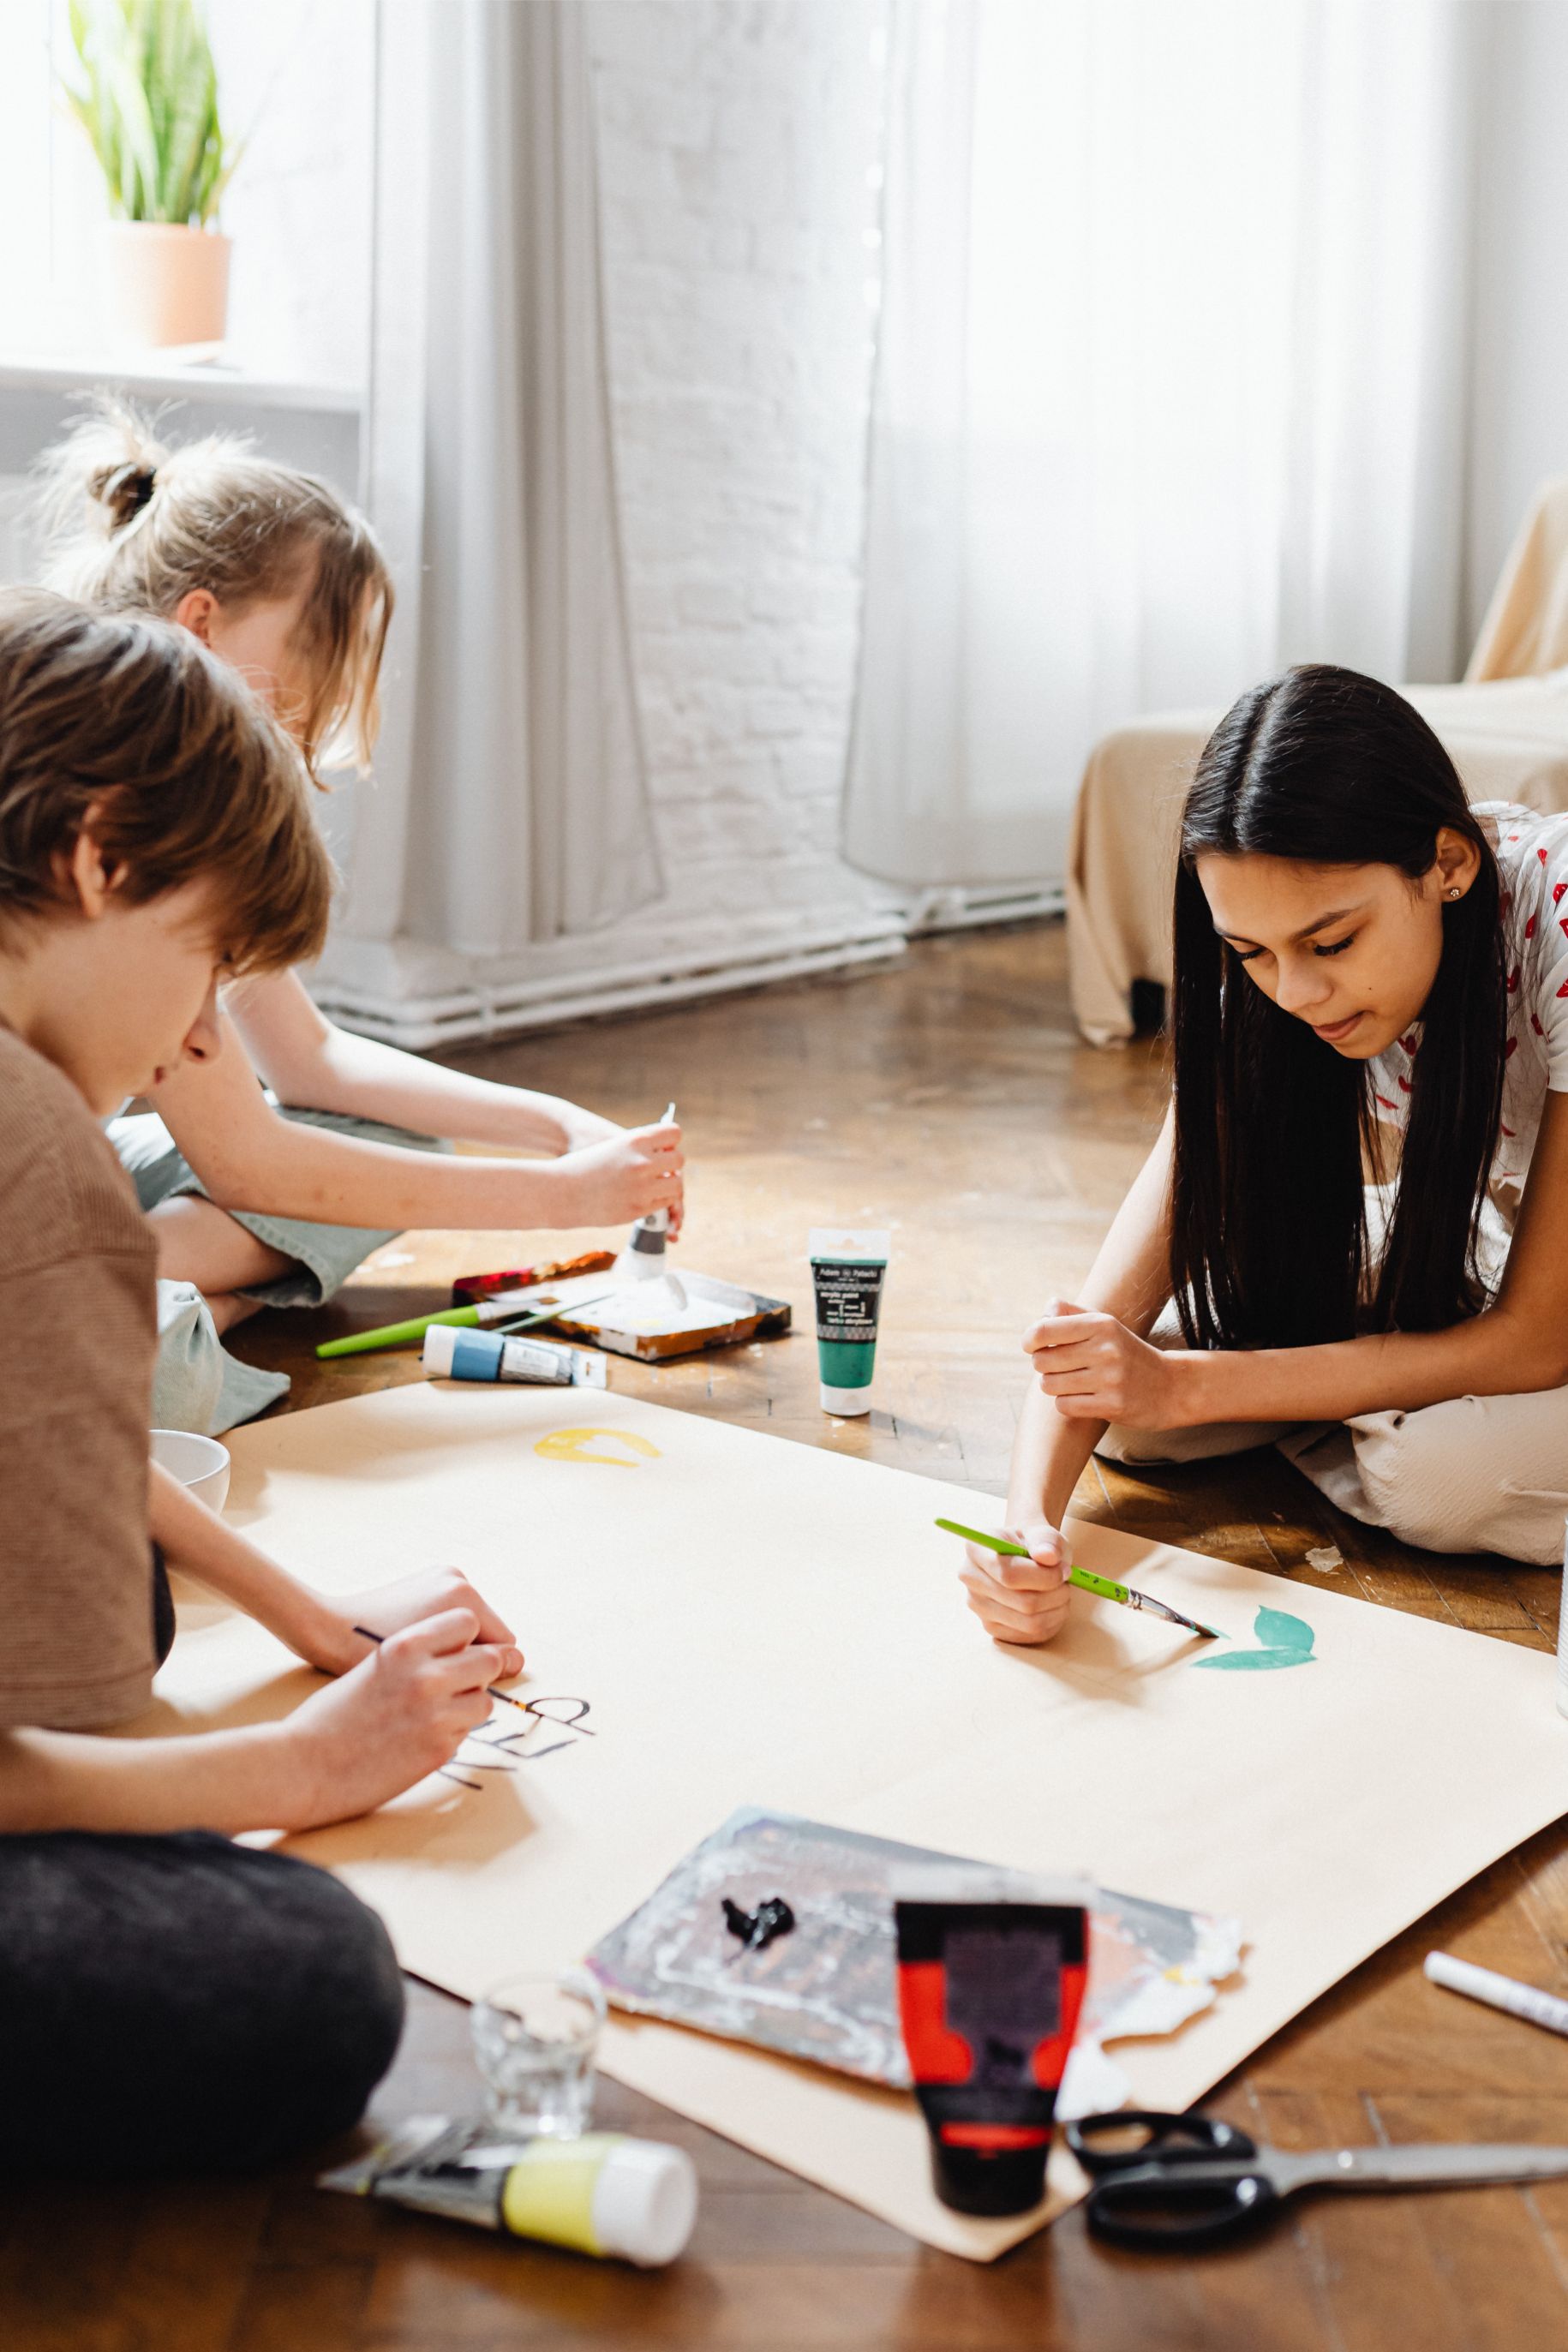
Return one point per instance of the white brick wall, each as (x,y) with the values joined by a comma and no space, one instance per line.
(736,137)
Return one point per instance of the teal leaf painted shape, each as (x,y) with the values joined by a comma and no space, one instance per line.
(1285,1641)
(1277,1631)
(1236,1662)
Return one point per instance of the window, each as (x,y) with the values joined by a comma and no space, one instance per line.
(295,82)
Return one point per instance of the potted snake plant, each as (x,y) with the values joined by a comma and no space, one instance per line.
(146,94)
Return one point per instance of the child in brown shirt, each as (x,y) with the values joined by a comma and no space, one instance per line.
(218,2005)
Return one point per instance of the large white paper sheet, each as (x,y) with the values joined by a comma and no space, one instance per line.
(752,1621)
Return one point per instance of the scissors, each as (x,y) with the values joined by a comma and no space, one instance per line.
(1186,2178)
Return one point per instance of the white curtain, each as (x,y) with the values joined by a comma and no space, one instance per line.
(509,803)
(1169,391)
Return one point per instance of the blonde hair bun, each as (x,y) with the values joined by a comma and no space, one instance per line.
(95,481)
(123,491)
(131,526)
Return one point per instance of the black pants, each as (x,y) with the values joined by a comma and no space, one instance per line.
(182,2005)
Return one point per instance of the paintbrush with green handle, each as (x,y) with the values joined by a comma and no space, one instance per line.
(1086,1580)
(399,1335)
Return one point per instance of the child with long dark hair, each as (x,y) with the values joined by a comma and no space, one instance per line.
(1352,1236)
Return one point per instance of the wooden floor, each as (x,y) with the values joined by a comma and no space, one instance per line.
(946,1096)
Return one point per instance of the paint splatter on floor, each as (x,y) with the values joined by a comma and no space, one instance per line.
(1284,1641)
(1327,1557)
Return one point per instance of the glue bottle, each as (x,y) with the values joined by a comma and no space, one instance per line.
(604,2193)
(644,1256)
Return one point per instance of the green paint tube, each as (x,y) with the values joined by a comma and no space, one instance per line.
(847,1271)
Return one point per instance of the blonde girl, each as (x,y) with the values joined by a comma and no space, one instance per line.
(272,1198)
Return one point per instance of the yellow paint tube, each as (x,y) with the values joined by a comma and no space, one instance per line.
(604,2193)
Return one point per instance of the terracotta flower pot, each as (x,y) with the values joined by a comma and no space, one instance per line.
(165,284)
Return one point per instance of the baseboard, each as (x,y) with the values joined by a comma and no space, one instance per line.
(676,975)
(676,972)
(952,909)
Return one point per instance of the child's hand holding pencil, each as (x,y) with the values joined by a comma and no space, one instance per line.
(411,1601)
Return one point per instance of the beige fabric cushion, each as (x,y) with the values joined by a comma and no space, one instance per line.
(1505,727)
(1525,633)
(1508,738)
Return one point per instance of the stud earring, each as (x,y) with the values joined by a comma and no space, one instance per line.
(1455,891)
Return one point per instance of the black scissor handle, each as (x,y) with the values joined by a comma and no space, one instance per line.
(1136,2137)
(1178,2200)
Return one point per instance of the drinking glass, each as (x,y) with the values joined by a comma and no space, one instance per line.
(536,2037)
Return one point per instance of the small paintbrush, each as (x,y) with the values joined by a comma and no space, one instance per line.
(526,1321)
(1087,1582)
(482,1314)
(521,1705)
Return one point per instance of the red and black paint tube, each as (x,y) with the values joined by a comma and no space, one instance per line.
(991,1986)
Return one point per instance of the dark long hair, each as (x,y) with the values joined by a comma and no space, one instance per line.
(1269,1236)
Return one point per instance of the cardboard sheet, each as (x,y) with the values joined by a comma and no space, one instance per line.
(715,1618)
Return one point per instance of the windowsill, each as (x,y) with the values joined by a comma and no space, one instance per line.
(170,378)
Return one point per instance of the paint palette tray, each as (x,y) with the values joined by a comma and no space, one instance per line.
(637,1318)
(824,1988)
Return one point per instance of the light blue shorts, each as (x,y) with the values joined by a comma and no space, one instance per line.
(199,1384)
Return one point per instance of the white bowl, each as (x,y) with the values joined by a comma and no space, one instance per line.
(200,1464)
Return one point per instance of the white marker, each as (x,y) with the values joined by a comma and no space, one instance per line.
(1537,2008)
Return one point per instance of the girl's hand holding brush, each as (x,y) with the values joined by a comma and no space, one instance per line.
(1022,1600)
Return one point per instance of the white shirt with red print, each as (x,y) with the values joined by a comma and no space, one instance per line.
(1532,860)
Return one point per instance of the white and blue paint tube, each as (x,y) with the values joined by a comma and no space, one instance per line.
(452,1353)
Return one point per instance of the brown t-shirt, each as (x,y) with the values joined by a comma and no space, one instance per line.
(78,1331)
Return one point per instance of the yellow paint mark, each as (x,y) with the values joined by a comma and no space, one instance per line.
(572,1444)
